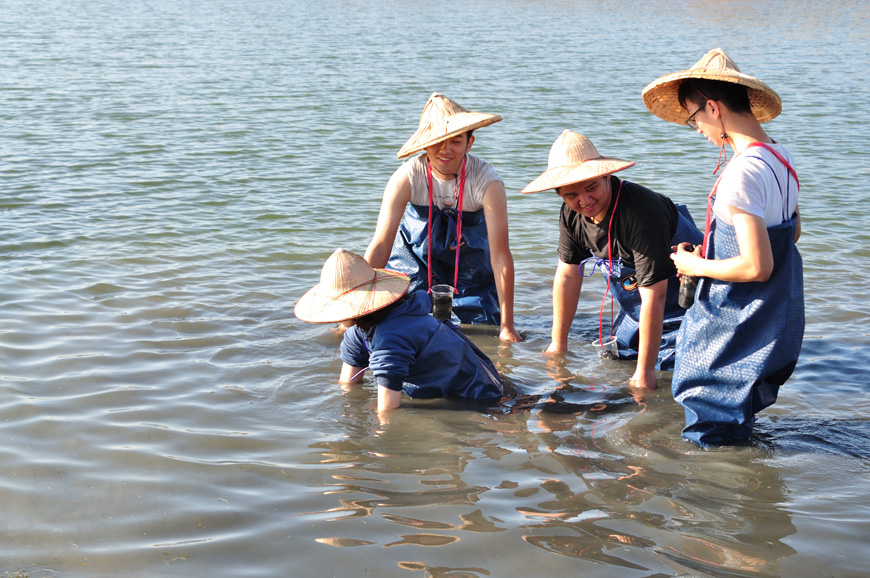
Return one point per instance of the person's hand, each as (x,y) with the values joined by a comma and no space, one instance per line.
(508,333)
(555,348)
(643,378)
(685,260)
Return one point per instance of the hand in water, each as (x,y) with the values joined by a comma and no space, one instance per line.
(644,379)
(508,333)
(554,348)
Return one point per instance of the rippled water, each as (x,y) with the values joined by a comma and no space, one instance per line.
(173,175)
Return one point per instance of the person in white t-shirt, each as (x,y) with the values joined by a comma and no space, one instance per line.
(443,218)
(741,339)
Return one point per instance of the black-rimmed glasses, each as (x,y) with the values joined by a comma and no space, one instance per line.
(690,122)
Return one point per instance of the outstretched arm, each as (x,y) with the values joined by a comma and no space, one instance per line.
(495,212)
(652,314)
(351,374)
(397,195)
(388,398)
(566,294)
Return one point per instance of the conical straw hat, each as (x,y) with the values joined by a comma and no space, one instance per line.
(349,288)
(443,119)
(660,96)
(573,159)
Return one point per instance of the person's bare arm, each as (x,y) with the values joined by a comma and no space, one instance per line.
(351,374)
(652,313)
(495,212)
(388,398)
(754,263)
(566,293)
(397,195)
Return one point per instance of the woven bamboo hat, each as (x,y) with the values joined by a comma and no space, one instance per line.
(443,119)
(573,158)
(350,288)
(660,96)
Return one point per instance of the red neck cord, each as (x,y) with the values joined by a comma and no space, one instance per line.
(609,269)
(459,196)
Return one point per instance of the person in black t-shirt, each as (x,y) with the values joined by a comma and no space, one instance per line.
(628,230)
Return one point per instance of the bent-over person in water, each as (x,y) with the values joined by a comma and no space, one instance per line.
(392,333)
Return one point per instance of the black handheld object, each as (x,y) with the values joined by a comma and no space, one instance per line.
(688,284)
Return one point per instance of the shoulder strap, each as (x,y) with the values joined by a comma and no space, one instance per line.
(779,157)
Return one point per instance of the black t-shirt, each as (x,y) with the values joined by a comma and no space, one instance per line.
(641,233)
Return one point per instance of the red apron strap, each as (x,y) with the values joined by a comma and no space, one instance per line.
(429,226)
(779,157)
(458,224)
(609,268)
(459,227)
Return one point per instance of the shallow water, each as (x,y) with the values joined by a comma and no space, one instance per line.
(173,176)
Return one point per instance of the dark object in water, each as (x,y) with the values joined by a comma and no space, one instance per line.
(442,307)
(605,353)
(442,303)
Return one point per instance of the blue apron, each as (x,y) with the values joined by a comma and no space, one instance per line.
(739,341)
(477,298)
(626,325)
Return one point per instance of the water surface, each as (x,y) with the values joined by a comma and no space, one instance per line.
(173,177)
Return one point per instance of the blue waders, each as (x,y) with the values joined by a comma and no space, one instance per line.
(477,298)
(626,326)
(739,341)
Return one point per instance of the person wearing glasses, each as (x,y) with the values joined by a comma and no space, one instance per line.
(627,231)
(741,339)
(443,218)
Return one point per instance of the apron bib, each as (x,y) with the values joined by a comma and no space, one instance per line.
(476,300)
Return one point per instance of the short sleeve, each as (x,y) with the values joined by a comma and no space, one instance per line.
(571,249)
(652,255)
(648,225)
(482,174)
(742,187)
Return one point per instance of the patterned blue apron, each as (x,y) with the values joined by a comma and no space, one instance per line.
(739,341)
(477,298)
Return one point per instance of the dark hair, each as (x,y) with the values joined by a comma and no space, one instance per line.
(366,322)
(699,90)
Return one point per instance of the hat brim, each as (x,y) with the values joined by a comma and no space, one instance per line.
(426,136)
(386,288)
(660,96)
(567,175)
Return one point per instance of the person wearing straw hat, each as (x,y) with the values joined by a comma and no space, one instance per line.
(391,332)
(450,212)
(628,231)
(741,339)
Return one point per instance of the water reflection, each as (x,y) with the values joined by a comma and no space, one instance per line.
(443,571)
(636,500)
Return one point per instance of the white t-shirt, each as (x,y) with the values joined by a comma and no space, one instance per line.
(478,175)
(758,183)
